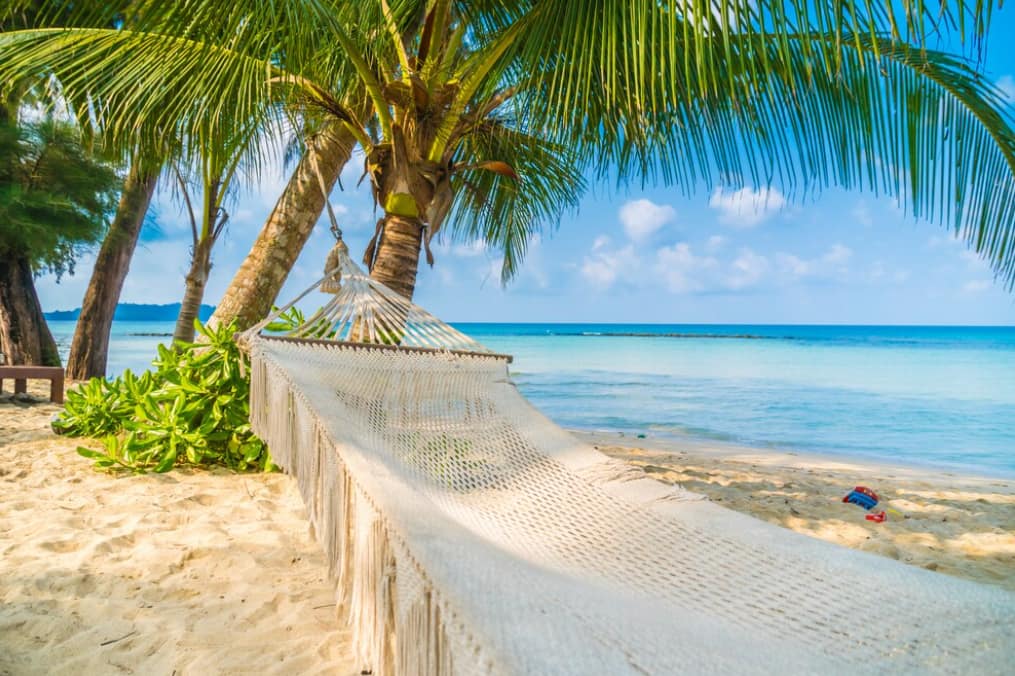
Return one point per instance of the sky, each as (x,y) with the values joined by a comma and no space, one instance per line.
(720,256)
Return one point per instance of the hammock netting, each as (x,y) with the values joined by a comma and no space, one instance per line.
(468,534)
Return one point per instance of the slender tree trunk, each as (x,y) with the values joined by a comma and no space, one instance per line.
(90,346)
(197,278)
(24,334)
(397,257)
(254,287)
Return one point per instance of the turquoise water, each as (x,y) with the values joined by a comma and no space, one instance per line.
(941,396)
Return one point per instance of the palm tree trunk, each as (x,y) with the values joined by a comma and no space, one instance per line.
(90,345)
(197,278)
(397,257)
(24,334)
(256,284)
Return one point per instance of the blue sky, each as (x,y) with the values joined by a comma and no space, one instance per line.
(719,256)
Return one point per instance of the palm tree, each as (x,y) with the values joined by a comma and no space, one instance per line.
(205,231)
(54,199)
(218,168)
(90,344)
(252,291)
(486,115)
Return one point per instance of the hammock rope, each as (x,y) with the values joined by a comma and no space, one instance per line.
(364,311)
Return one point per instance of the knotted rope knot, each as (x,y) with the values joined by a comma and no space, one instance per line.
(333,268)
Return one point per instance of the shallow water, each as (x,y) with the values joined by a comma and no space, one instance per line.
(943,396)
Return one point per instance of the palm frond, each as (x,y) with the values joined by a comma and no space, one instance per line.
(142,87)
(146,69)
(505,212)
(804,95)
(918,125)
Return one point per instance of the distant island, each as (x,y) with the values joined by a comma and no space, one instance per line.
(136,312)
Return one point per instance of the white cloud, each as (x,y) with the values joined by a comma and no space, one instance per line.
(602,268)
(793,266)
(642,217)
(680,268)
(1007,86)
(747,270)
(746,208)
(832,262)
(599,271)
(976,286)
(445,248)
(682,271)
(839,254)
(470,250)
(160,279)
(531,274)
(714,243)
(677,268)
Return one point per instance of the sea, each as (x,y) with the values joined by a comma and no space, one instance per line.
(942,397)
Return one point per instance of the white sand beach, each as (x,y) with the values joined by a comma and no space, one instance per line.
(212,572)
(184,573)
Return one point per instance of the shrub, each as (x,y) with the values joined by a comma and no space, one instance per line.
(191,409)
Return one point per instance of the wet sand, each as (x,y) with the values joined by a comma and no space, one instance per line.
(957,524)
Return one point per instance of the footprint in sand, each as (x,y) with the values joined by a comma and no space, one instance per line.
(203,499)
(60,546)
(274,488)
(113,544)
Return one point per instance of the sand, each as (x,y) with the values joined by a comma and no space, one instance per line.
(956,524)
(215,573)
(184,573)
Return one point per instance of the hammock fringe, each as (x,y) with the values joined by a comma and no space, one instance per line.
(395,614)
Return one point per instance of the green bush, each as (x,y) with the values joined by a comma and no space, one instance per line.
(191,409)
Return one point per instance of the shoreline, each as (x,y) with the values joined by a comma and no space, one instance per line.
(958,524)
(733,451)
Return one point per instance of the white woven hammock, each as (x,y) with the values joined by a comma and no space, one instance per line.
(468,534)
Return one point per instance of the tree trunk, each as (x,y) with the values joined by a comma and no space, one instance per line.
(197,278)
(397,257)
(90,346)
(256,284)
(24,334)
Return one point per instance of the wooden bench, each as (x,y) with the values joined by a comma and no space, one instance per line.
(21,374)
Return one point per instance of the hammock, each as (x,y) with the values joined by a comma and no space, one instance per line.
(467,534)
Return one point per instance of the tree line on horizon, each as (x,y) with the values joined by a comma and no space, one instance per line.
(477,120)
(136,312)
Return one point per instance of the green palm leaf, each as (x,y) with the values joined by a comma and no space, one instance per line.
(804,111)
(144,87)
(507,211)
